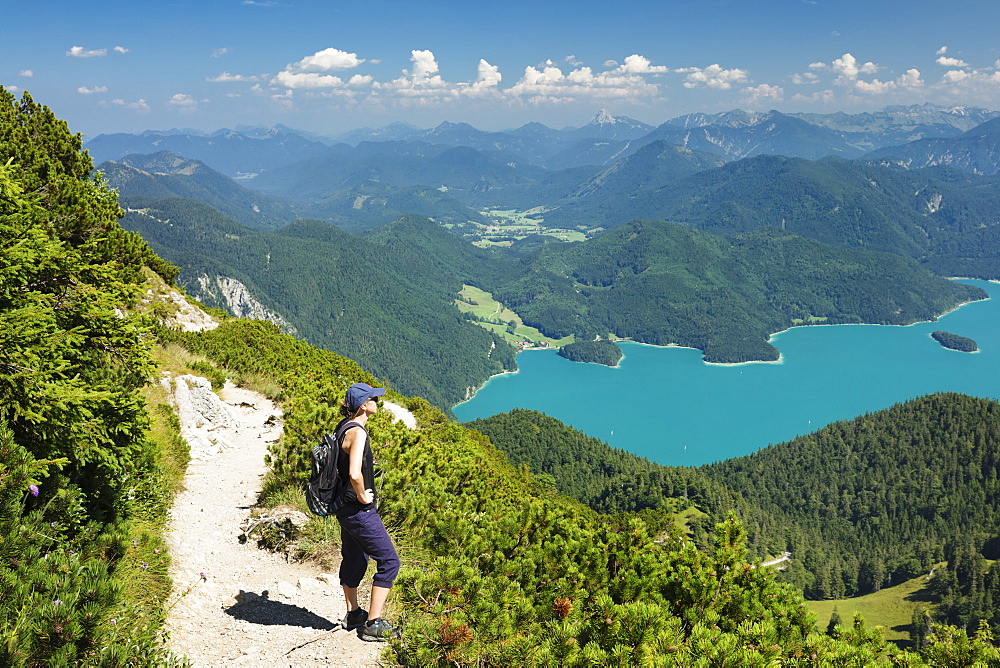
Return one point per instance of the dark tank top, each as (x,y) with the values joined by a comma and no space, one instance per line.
(351,502)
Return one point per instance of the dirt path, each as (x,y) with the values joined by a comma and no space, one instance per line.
(235,604)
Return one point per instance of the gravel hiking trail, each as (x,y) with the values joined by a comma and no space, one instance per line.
(234,604)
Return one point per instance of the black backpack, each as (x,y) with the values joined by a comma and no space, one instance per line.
(324,491)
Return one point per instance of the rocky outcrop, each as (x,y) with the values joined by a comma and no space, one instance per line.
(238,300)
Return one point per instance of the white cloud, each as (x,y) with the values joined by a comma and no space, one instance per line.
(848,69)
(139,105)
(121,49)
(713,76)
(763,94)
(610,64)
(327,60)
(946,61)
(911,79)
(943,50)
(226,77)
(80,52)
(636,64)
(825,96)
(805,79)
(219,53)
(312,71)
(184,102)
(11,89)
(26,73)
(573,61)
(424,64)
(817,66)
(954,76)
(549,84)
(306,80)
(83,90)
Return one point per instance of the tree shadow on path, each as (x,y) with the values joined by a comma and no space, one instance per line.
(262,610)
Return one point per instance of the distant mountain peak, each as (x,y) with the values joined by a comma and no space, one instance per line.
(602,117)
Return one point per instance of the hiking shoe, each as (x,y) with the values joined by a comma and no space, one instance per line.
(378,630)
(355,619)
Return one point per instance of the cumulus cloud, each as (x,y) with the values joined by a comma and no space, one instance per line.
(26,73)
(312,72)
(219,53)
(184,102)
(120,49)
(83,90)
(636,64)
(943,50)
(572,61)
(80,52)
(226,77)
(954,76)
(11,89)
(805,79)
(848,68)
(713,76)
(763,94)
(911,79)
(327,60)
(946,61)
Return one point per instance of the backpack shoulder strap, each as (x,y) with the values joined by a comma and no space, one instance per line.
(343,428)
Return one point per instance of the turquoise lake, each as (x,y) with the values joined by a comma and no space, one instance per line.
(669,406)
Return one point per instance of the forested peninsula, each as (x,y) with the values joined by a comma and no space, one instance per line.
(499,568)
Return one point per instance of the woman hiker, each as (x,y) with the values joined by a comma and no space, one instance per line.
(362,532)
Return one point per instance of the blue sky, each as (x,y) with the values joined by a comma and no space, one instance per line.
(333,66)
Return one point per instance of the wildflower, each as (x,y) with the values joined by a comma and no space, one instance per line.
(156,551)
(135,543)
(203,576)
(114,621)
(57,602)
(145,565)
(33,489)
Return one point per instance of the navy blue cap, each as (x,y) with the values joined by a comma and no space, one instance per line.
(359,393)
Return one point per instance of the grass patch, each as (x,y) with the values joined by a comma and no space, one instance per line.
(890,608)
(492,315)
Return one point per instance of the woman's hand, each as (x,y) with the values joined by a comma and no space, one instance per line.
(366,497)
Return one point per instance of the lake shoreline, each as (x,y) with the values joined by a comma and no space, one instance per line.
(771,339)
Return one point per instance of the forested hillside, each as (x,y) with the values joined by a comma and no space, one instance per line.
(499,569)
(860,505)
(942,217)
(391,309)
(888,489)
(664,283)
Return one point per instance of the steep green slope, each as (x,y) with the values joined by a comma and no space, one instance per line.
(385,307)
(82,482)
(666,283)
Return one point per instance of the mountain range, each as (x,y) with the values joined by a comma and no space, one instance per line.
(714,249)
